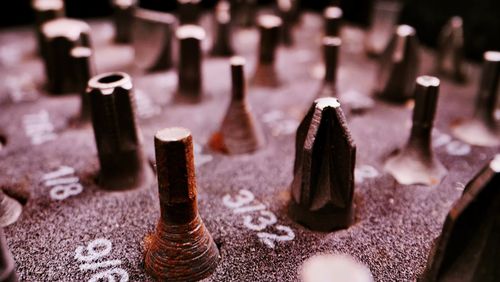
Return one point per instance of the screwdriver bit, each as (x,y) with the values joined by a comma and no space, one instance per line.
(323,182)
(10,210)
(188,11)
(286,10)
(222,43)
(84,70)
(331,47)
(240,132)
(152,40)
(190,78)
(450,53)
(415,163)
(265,74)
(483,129)
(181,248)
(45,10)
(333,20)
(60,36)
(468,247)
(399,66)
(7,266)
(122,17)
(117,135)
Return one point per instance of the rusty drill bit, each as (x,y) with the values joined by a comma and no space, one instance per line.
(323,182)
(399,66)
(265,74)
(45,10)
(222,43)
(190,78)
(60,36)
(10,210)
(188,11)
(331,46)
(117,135)
(181,249)
(240,132)
(468,248)
(7,265)
(84,70)
(152,40)
(415,163)
(122,18)
(450,53)
(483,129)
(333,20)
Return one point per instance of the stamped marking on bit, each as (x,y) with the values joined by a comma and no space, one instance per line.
(63,183)
(244,203)
(93,252)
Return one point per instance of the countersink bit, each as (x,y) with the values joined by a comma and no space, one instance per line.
(45,10)
(399,66)
(84,70)
(123,18)
(181,248)
(239,132)
(323,182)
(265,74)
(333,20)
(152,40)
(468,248)
(450,53)
(123,165)
(415,163)
(190,77)
(286,12)
(483,129)
(60,36)
(10,210)
(222,43)
(188,11)
(7,265)
(331,46)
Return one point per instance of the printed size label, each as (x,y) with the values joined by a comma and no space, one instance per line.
(39,128)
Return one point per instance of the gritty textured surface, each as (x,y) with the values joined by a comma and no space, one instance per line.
(395,225)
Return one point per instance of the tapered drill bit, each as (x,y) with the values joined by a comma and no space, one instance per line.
(84,70)
(333,20)
(7,265)
(190,79)
(450,53)
(331,46)
(123,19)
(181,248)
(188,11)
(123,165)
(222,42)
(468,248)
(399,66)
(45,10)
(323,182)
(240,132)
(265,74)
(483,129)
(415,163)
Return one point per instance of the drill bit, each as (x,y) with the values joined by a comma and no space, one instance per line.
(222,43)
(10,210)
(122,17)
(331,47)
(333,20)
(7,265)
(45,10)
(188,11)
(181,248)
(450,54)
(415,163)
(265,74)
(286,10)
(190,79)
(323,182)
(84,70)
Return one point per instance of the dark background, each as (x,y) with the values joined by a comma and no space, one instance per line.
(481,17)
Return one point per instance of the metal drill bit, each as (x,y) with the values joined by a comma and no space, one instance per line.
(117,135)
(84,70)
(331,46)
(60,36)
(10,210)
(323,182)
(181,249)
(468,248)
(123,18)
(7,265)
(245,13)
(265,74)
(190,77)
(333,20)
(188,11)
(152,40)
(222,43)
(240,132)
(450,54)
(286,11)
(399,66)
(483,129)
(45,10)
(415,163)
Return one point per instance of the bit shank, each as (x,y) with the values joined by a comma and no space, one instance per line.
(450,55)
(188,11)
(123,18)
(190,79)
(265,74)
(7,266)
(331,46)
(333,20)
(84,70)
(45,10)
(222,43)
